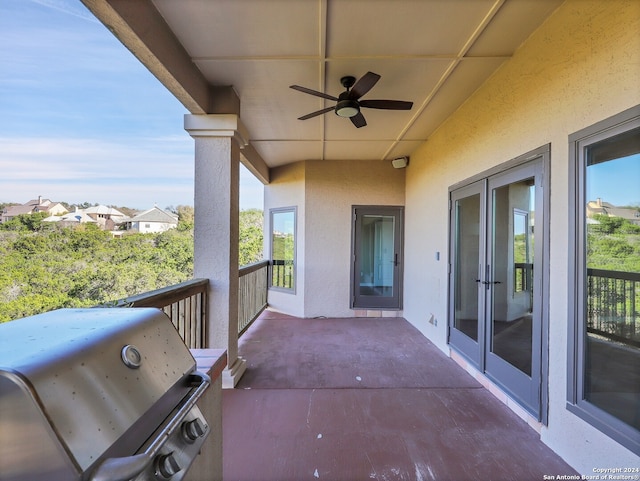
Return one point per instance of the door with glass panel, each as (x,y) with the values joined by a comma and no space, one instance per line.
(467,246)
(496,297)
(376,273)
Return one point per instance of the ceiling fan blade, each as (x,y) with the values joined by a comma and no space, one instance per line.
(386,104)
(313,92)
(362,86)
(358,120)
(316,113)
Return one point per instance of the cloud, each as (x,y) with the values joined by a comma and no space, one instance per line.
(134,173)
(75,9)
(96,170)
(81,120)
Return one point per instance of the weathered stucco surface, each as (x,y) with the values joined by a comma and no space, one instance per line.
(580,67)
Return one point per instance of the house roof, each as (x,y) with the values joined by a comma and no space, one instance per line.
(104,210)
(241,57)
(40,201)
(606,208)
(155,214)
(42,205)
(78,216)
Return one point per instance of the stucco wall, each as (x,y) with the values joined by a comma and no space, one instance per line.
(332,188)
(324,192)
(580,67)
(287,190)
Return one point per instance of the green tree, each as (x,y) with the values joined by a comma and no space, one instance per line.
(49,268)
(251,236)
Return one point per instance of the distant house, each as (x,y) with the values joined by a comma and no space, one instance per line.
(594,207)
(107,217)
(78,216)
(152,220)
(32,207)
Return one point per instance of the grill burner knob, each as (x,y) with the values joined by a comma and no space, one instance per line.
(166,466)
(192,430)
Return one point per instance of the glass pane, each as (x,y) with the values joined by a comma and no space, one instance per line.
(511,273)
(612,289)
(283,248)
(467,261)
(377,255)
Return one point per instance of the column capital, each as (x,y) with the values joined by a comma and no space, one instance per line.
(217,125)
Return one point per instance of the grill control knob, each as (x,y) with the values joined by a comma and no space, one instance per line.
(192,430)
(166,466)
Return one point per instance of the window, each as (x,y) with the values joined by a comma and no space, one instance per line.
(604,335)
(283,248)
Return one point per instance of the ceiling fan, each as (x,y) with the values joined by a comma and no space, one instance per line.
(348,103)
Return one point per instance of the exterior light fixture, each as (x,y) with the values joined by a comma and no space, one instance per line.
(400,162)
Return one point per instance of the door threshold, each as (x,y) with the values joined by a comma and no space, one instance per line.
(496,391)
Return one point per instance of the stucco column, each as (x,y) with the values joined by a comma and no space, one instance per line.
(218,139)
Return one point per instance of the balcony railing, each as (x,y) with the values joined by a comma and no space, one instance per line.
(252,293)
(282,273)
(186,303)
(613,305)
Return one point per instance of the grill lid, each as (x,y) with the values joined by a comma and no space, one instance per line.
(96,374)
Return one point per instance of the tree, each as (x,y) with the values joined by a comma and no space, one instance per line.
(29,222)
(250,236)
(45,269)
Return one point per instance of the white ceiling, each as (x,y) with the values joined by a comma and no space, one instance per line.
(434,53)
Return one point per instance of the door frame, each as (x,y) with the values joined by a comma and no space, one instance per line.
(378,302)
(543,155)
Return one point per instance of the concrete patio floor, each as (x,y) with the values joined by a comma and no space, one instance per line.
(367,399)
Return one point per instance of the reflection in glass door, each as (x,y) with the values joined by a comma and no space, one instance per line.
(511,290)
(466,248)
(496,254)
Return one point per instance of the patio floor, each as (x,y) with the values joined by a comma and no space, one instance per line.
(367,399)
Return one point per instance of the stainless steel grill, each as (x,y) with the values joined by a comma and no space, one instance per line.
(98,395)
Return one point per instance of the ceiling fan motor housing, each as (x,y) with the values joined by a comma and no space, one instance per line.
(347,107)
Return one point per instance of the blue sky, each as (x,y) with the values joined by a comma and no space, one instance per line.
(616,182)
(81,120)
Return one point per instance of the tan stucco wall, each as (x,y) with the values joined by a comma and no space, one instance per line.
(332,188)
(580,67)
(287,190)
(324,192)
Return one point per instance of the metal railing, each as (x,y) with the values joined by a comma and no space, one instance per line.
(184,303)
(252,293)
(613,305)
(282,273)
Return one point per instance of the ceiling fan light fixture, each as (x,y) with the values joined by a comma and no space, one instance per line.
(347,108)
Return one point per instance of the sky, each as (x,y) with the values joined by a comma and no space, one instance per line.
(82,120)
(616,181)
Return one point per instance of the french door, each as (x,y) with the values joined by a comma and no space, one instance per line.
(496,314)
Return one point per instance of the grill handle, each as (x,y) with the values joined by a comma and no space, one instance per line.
(124,469)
